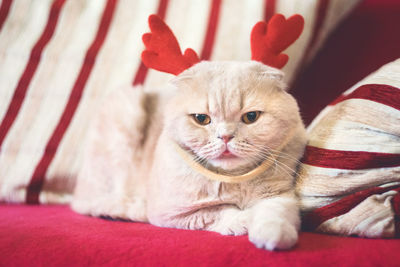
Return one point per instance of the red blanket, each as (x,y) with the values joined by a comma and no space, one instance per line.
(56,236)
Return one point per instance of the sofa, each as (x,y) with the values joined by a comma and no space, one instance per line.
(41,230)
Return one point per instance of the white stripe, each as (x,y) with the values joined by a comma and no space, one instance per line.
(17,15)
(49,91)
(359,125)
(352,136)
(20,33)
(237,18)
(190,26)
(317,181)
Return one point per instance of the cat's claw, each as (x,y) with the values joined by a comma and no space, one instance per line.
(231,229)
(274,236)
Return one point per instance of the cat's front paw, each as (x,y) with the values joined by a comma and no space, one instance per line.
(231,222)
(273,235)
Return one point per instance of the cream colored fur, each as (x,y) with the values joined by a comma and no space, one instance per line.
(132,171)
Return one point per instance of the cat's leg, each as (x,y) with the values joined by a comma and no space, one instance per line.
(224,219)
(274,222)
(230,221)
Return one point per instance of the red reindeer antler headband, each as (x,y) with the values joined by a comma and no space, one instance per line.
(267,43)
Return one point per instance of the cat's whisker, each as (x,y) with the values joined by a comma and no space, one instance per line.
(255,161)
(263,146)
(286,169)
(279,166)
(199,159)
(278,157)
(272,155)
(208,150)
(285,166)
(281,154)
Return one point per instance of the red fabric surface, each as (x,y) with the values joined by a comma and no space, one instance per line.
(56,236)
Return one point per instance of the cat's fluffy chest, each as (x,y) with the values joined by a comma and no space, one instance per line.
(175,188)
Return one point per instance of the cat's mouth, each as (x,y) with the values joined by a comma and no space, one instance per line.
(218,174)
(227,154)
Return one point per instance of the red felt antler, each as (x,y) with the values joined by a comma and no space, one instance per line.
(269,40)
(162,49)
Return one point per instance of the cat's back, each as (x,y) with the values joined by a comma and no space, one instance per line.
(118,154)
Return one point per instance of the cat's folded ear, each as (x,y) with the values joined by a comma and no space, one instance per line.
(274,74)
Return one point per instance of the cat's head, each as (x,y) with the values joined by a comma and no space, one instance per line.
(230,115)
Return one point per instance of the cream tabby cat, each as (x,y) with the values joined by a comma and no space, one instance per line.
(228,116)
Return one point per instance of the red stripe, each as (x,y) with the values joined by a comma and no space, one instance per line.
(38,176)
(30,69)
(315,218)
(141,73)
(380,93)
(270,9)
(4,11)
(211,30)
(349,160)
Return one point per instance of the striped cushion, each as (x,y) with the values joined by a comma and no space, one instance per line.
(58,58)
(350,175)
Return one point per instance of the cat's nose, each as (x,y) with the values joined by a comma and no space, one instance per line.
(226,138)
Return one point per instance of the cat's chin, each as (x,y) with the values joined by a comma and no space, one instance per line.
(228,163)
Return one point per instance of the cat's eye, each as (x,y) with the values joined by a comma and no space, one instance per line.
(201,119)
(251,117)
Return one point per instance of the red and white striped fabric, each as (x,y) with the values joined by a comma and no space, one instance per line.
(350,176)
(58,58)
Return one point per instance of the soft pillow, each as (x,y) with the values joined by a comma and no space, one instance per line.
(60,58)
(350,176)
